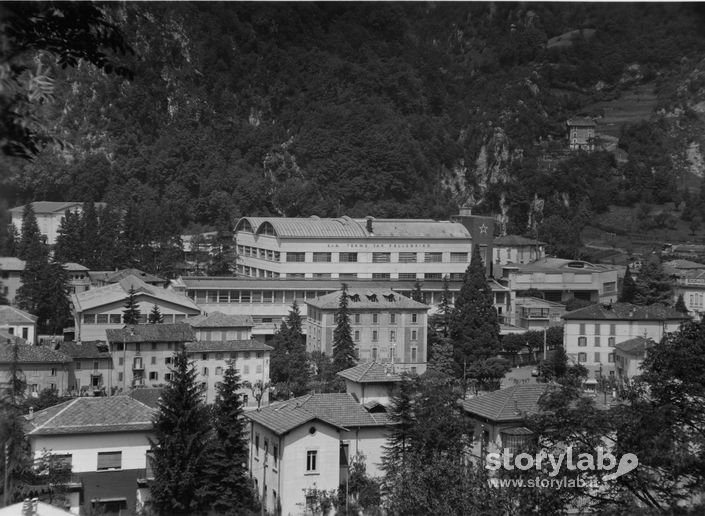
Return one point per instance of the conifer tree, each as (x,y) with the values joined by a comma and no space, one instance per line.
(131,314)
(69,241)
(680,305)
(401,414)
(653,285)
(288,364)
(109,245)
(443,318)
(229,483)
(45,293)
(474,328)
(155,316)
(31,247)
(182,444)
(89,235)
(417,293)
(343,345)
(628,288)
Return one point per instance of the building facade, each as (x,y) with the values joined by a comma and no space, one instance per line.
(42,368)
(386,327)
(590,334)
(10,276)
(49,215)
(18,323)
(92,372)
(533,313)
(628,357)
(516,249)
(581,133)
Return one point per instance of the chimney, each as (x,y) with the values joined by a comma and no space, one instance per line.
(370,229)
(30,416)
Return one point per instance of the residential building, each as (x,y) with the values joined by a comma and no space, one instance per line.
(628,357)
(307,443)
(581,133)
(688,281)
(49,215)
(251,359)
(10,276)
(498,417)
(18,322)
(99,309)
(516,249)
(103,278)
(92,373)
(345,248)
(386,327)
(78,277)
(105,440)
(561,280)
(590,334)
(533,313)
(217,326)
(42,367)
(371,383)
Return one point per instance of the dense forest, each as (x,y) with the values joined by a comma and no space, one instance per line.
(386,109)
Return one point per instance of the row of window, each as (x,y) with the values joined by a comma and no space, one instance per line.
(204,356)
(256,252)
(582,341)
(392,335)
(117,318)
(597,329)
(696,300)
(350,257)
(582,357)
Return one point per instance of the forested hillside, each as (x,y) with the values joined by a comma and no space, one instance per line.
(385,109)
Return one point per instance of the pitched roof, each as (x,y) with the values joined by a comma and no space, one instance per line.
(114,277)
(32,354)
(74,267)
(118,292)
(626,312)
(636,346)
(11,315)
(10,263)
(682,264)
(370,372)
(337,409)
(516,240)
(227,345)
(87,415)
(148,395)
(510,404)
(560,264)
(368,299)
(48,207)
(178,332)
(581,121)
(85,349)
(221,320)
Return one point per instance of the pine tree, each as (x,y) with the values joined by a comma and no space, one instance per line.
(343,345)
(45,293)
(653,285)
(131,314)
(69,241)
(474,328)
(628,288)
(31,246)
(230,485)
(401,415)
(680,305)
(288,363)
(182,444)
(155,316)
(445,311)
(89,235)
(417,293)
(109,245)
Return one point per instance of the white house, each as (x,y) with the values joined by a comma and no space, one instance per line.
(19,323)
(516,249)
(628,357)
(10,281)
(371,382)
(49,215)
(105,440)
(590,334)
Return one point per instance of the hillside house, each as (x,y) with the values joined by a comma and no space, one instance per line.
(92,373)
(103,278)
(533,313)
(688,281)
(516,249)
(581,133)
(217,326)
(371,383)
(628,357)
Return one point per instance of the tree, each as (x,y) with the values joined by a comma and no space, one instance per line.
(37,36)
(474,328)
(343,345)
(31,247)
(628,288)
(488,373)
(680,305)
(182,444)
(653,285)
(131,314)
(89,235)
(289,369)
(417,293)
(69,241)
(155,316)
(442,319)
(230,486)
(45,293)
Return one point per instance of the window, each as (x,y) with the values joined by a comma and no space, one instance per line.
(433,257)
(610,358)
(204,356)
(96,364)
(167,360)
(275,455)
(375,319)
(391,354)
(154,346)
(407,257)
(582,329)
(246,369)
(613,329)
(258,369)
(381,275)
(321,257)
(610,342)
(392,336)
(88,318)
(120,377)
(121,361)
(347,275)
(374,354)
(219,356)
(381,257)
(153,375)
(109,460)
(205,371)
(597,356)
(78,365)
(433,276)
(218,371)
(374,335)
(102,319)
(356,338)
(357,318)
(256,445)
(61,460)
(153,361)
(458,257)
(167,377)
(348,257)
(414,335)
(407,275)
(413,354)
(311,461)
(582,357)
(597,342)
(321,275)
(392,318)
(295,257)
(597,329)
(53,371)
(413,318)
(582,341)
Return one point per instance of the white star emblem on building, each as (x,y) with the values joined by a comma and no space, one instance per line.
(483,228)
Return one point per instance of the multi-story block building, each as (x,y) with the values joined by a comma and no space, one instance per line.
(516,249)
(18,323)
(628,357)
(386,327)
(346,248)
(41,367)
(688,281)
(79,280)
(590,334)
(534,313)
(92,372)
(581,133)
(100,309)
(49,215)
(10,276)
(217,326)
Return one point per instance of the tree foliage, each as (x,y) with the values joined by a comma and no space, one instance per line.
(131,314)
(343,345)
(653,285)
(289,368)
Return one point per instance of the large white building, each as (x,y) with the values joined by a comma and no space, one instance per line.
(49,215)
(345,248)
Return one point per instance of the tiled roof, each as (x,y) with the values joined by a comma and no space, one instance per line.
(510,404)
(227,345)
(346,227)
(560,264)
(683,264)
(179,332)
(337,409)
(48,207)
(636,346)
(582,121)
(114,277)
(11,315)
(85,349)
(221,320)
(74,267)
(516,240)
(118,292)
(33,354)
(368,299)
(370,372)
(148,395)
(625,312)
(86,415)
(10,263)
